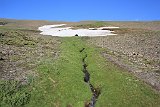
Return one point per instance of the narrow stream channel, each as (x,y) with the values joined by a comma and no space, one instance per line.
(95,91)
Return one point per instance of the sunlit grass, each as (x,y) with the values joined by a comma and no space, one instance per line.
(61,82)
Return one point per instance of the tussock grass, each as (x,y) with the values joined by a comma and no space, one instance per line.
(14,94)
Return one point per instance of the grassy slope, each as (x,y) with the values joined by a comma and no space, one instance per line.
(61,82)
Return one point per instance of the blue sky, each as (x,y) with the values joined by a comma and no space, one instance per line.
(76,10)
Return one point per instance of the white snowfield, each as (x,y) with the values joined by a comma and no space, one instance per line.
(58,30)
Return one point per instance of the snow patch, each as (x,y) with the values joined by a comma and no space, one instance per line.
(58,30)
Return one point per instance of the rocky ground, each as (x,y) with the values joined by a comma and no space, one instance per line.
(22,50)
(136,50)
(148,25)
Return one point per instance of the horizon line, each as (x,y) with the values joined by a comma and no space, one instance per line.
(136,20)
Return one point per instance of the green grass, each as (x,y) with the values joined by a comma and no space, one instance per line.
(12,94)
(60,82)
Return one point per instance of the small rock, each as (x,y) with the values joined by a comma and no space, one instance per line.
(12,71)
(1,59)
(76,35)
(134,53)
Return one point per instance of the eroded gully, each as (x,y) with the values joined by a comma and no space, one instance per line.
(95,91)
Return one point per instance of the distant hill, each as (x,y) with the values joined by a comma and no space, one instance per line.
(34,24)
(29,24)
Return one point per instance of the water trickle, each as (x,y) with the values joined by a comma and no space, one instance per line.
(95,91)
